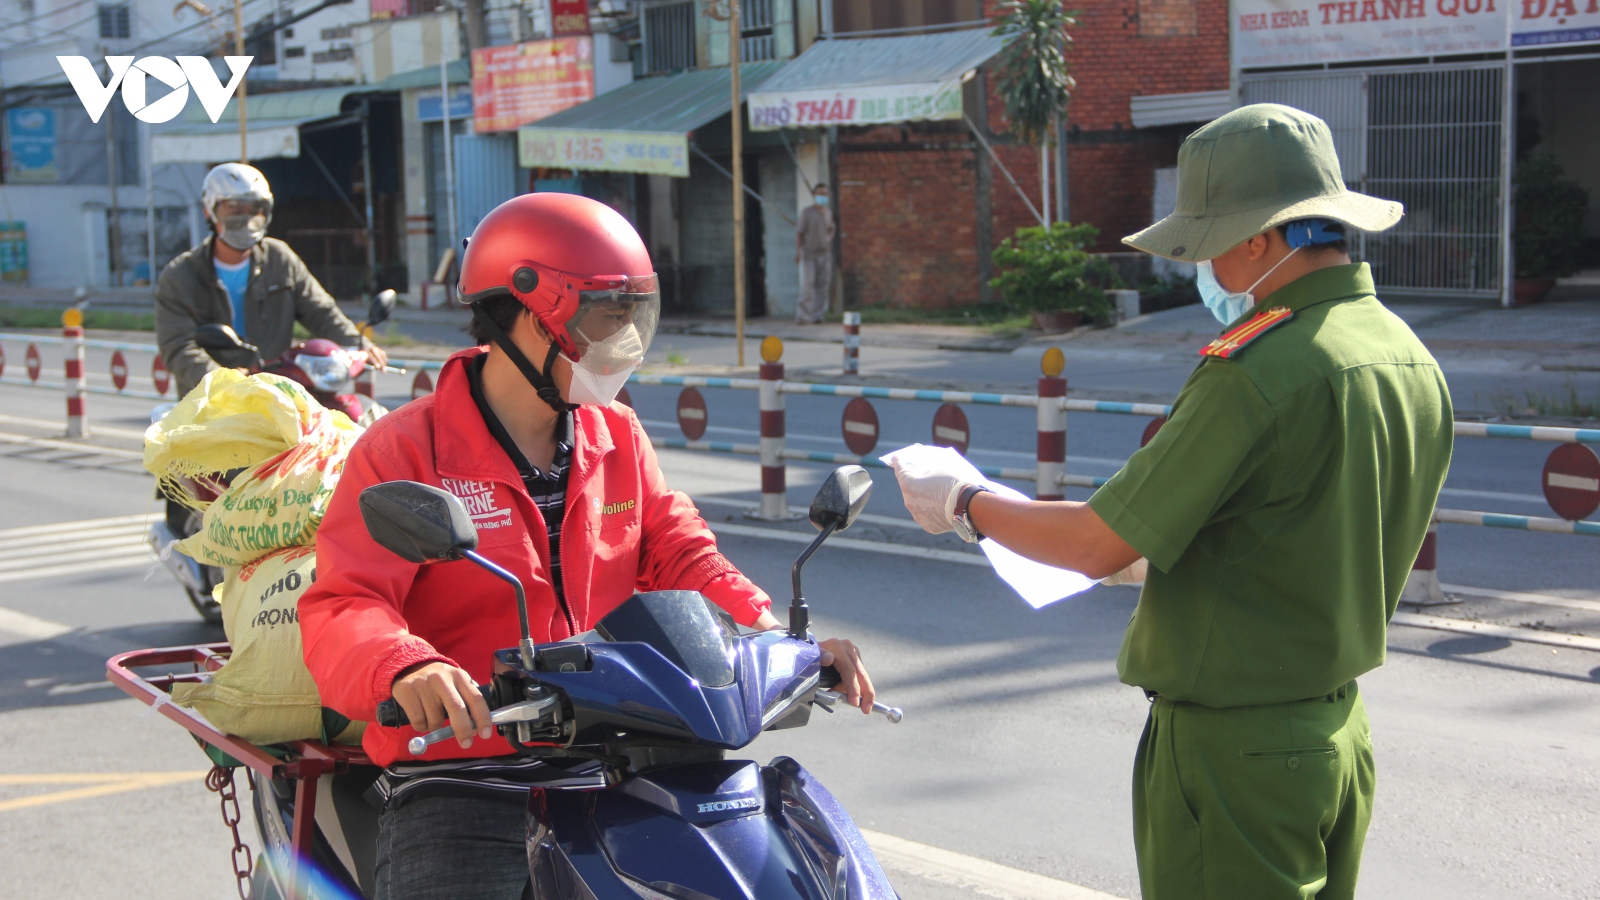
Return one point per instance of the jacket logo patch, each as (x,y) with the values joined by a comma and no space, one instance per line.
(479,499)
(611,509)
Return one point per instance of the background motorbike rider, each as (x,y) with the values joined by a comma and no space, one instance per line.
(240,277)
(567,495)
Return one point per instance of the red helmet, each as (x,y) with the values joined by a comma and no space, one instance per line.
(562,256)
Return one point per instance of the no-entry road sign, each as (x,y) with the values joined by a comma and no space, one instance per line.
(1572,481)
(692,414)
(950,428)
(860,426)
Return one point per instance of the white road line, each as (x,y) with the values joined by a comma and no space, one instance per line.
(31,627)
(142,519)
(1507,632)
(84,449)
(1517,597)
(1493,495)
(124,533)
(127,552)
(104,565)
(44,547)
(802,511)
(796,537)
(988,878)
(94,429)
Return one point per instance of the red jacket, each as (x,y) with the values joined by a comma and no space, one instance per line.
(371,614)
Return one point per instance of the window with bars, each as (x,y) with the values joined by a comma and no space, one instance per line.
(337,54)
(114,20)
(669,38)
(756,38)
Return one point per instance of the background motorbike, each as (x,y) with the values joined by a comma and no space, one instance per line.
(326,370)
(653,700)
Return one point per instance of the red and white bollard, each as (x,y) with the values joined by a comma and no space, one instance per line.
(1052,448)
(422,385)
(72,330)
(774,485)
(1422,584)
(852,343)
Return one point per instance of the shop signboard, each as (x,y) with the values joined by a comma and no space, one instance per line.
(13,252)
(864,105)
(429,109)
(521,83)
(31,136)
(569,17)
(643,152)
(1301,32)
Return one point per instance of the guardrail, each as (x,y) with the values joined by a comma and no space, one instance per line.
(1571,478)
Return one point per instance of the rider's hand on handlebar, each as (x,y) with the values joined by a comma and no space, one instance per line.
(437,694)
(376,357)
(853,680)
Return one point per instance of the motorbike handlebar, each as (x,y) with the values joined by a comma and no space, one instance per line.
(391,715)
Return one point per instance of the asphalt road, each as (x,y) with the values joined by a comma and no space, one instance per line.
(1018,740)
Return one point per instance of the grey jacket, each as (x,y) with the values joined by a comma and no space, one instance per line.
(281,292)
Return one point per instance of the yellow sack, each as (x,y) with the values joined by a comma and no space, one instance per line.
(277,504)
(264,694)
(230,421)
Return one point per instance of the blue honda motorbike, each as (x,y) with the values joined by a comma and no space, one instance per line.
(658,695)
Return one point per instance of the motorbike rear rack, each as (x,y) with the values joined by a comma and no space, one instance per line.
(306,762)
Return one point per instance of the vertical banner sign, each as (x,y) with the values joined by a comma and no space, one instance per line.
(569,17)
(1301,32)
(523,83)
(31,140)
(13,253)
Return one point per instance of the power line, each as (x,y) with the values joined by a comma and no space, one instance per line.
(44,15)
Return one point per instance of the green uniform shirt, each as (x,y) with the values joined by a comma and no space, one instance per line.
(1283,504)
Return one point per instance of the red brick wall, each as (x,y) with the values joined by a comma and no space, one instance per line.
(908,214)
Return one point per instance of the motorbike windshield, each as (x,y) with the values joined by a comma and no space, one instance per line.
(326,373)
(680,626)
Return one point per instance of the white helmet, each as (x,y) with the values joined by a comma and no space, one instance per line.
(241,229)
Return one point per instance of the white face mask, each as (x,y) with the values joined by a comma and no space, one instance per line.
(605,367)
(1225,305)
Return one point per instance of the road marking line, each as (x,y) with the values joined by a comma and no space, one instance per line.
(68,560)
(62,689)
(106,430)
(58,527)
(795,537)
(77,545)
(1516,597)
(83,449)
(32,627)
(802,512)
(130,782)
(121,562)
(1506,632)
(981,875)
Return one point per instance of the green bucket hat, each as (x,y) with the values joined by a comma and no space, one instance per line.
(1250,170)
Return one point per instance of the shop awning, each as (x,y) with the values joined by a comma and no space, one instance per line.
(1178,109)
(272,121)
(867,81)
(641,127)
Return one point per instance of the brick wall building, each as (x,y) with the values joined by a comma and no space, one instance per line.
(921,205)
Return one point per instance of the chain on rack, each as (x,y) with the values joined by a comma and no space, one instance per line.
(220,780)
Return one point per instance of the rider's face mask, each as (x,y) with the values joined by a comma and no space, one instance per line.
(611,330)
(241,224)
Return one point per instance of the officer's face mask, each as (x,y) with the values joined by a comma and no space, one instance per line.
(1225,305)
(241,225)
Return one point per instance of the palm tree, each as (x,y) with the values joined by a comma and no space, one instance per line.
(1031,76)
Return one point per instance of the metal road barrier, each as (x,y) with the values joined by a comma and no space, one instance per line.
(1571,477)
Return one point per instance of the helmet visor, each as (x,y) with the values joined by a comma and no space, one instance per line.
(613,328)
(246,207)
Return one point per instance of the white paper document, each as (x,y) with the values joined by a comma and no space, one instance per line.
(1038,584)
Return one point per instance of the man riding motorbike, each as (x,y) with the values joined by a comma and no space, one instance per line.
(566,493)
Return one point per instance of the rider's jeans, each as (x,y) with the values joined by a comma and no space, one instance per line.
(453,848)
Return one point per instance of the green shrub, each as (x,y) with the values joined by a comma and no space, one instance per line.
(1548,238)
(1048,270)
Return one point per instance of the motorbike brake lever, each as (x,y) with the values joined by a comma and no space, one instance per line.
(526,711)
(893,713)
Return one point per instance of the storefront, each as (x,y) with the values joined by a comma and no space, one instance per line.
(1416,94)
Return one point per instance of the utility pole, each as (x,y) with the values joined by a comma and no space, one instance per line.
(449,230)
(734,52)
(238,50)
(367,189)
(114,233)
(1508,164)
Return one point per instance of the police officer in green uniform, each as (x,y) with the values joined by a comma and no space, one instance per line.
(1273,520)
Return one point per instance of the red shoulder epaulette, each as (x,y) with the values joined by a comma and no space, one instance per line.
(1224,347)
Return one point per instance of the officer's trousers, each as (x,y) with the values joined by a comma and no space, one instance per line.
(1259,802)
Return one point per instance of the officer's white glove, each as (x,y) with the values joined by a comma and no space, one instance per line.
(931,479)
(1133,574)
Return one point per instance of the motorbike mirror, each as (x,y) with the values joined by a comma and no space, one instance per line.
(418,522)
(841,498)
(382,308)
(217,337)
